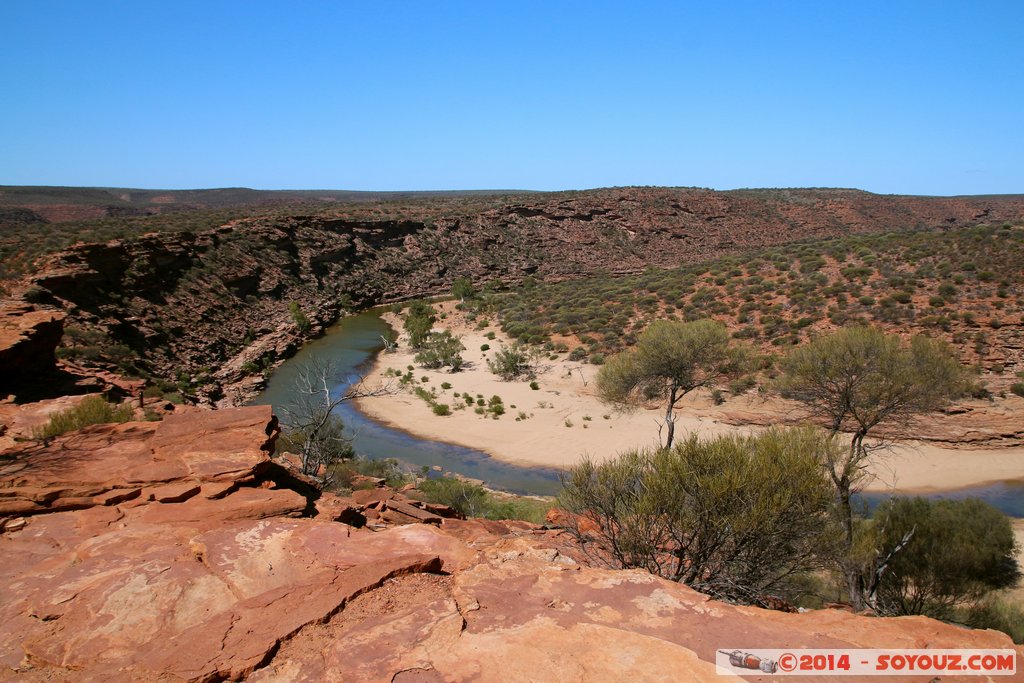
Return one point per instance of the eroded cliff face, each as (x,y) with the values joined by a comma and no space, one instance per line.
(220,303)
(178,551)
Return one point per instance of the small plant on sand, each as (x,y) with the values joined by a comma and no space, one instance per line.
(441,349)
(512,362)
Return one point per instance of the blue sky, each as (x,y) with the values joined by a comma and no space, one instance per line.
(891,97)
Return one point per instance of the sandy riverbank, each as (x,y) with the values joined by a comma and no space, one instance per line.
(564,421)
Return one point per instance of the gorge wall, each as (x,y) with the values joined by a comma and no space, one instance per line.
(221,304)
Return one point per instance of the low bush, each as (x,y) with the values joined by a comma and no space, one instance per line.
(732,516)
(513,362)
(999,612)
(473,500)
(90,411)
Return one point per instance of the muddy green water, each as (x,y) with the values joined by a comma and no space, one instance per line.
(354,342)
(352,345)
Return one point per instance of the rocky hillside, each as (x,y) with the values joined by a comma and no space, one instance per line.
(208,309)
(178,551)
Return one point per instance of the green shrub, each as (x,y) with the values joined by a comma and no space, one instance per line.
(998,612)
(390,470)
(299,317)
(472,500)
(90,411)
(441,409)
(418,322)
(512,362)
(536,387)
(467,499)
(1017,388)
(732,516)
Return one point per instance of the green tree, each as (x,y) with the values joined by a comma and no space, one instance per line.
(670,360)
(462,288)
(418,322)
(956,553)
(856,379)
(733,516)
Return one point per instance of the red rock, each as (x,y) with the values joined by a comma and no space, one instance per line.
(116,496)
(174,493)
(394,517)
(79,469)
(210,587)
(361,481)
(411,511)
(28,338)
(367,496)
(218,489)
(443,511)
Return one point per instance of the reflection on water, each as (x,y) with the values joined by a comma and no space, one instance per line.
(1008,496)
(351,345)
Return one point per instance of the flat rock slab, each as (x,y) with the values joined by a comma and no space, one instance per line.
(170,458)
(520,615)
(106,594)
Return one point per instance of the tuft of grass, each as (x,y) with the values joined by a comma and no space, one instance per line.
(90,411)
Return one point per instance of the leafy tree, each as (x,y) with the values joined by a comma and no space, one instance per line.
(418,322)
(732,516)
(856,379)
(462,289)
(441,349)
(958,551)
(670,360)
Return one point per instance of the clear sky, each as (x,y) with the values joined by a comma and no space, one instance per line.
(891,97)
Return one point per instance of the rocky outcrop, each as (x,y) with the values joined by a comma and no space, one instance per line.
(178,552)
(28,337)
(193,458)
(217,306)
(525,612)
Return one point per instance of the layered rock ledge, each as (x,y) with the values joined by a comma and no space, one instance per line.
(179,551)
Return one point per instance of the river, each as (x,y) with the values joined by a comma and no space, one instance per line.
(353,343)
